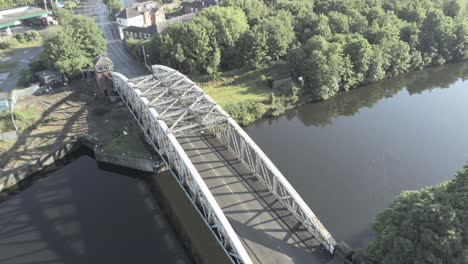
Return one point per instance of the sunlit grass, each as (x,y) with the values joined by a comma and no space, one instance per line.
(243,86)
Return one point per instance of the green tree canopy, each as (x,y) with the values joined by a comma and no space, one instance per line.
(74,45)
(428,226)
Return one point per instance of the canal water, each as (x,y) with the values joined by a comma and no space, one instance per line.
(350,157)
(83,214)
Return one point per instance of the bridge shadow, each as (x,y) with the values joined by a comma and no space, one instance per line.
(75,215)
(269,232)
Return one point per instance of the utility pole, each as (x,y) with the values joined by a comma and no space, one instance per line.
(144,55)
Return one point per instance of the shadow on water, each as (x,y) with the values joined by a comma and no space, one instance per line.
(349,103)
(349,157)
(80,212)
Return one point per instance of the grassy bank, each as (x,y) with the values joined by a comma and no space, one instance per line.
(23,119)
(245,95)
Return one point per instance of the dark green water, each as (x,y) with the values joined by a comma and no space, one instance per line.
(350,156)
(82,214)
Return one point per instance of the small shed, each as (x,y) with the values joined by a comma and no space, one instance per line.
(103,65)
(276,81)
(48,77)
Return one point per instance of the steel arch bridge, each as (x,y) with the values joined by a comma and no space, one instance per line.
(167,106)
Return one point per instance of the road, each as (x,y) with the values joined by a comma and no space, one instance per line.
(123,61)
(269,233)
(21,57)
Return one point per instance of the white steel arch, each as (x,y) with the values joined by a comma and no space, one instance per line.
(167,104)
(159,135)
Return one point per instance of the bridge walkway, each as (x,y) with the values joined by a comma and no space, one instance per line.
(267,230)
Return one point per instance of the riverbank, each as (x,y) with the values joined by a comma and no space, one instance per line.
(246,96)
(367,145)
(60,117)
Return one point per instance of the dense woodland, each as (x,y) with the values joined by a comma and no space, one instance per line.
(333,44)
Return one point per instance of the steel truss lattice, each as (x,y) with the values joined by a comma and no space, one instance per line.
(181,104)
(167,104)
(158,134)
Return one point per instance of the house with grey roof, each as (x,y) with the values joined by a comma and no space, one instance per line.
(197,6)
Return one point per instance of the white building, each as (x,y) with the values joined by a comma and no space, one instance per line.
(130,17)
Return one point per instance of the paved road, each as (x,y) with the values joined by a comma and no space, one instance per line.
(21,57)
(123,60)
(269,233)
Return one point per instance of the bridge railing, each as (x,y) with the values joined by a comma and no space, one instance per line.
(245,149)
(241,145)
(180,165)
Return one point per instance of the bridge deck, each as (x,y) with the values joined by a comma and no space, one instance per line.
(268,231)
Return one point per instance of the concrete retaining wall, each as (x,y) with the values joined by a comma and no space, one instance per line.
(33,90)
(148,164)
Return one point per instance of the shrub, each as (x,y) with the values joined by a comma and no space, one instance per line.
(246,112)
(9,43)
(21,38)
(26,78)
(32,35)
(272,99)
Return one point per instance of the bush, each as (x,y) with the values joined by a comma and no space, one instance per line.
(38,64)
(26,78)
(272,99)
(247,112)
(21,38)
(9,43)
(32,35)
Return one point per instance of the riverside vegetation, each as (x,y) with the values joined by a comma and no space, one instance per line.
(333,45)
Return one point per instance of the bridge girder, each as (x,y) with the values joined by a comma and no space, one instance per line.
(167,104)
(179,103)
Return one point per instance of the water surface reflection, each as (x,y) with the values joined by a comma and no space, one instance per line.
(350,156)
(82,214)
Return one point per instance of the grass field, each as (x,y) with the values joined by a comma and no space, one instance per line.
(243,86)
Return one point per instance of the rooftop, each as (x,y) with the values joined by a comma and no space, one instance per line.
(148,30)
(128,12)
(180,19)
(102,61)
(12,16)
(200,4)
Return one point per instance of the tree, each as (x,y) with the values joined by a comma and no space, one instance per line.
(298,8)
(360,53)
(253,9)
(254,49)
(74,46)
(229,23)
(279,33)
(321,64)
(339,22)
(425,226)
(459,43)
(114,6)
(435,36)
